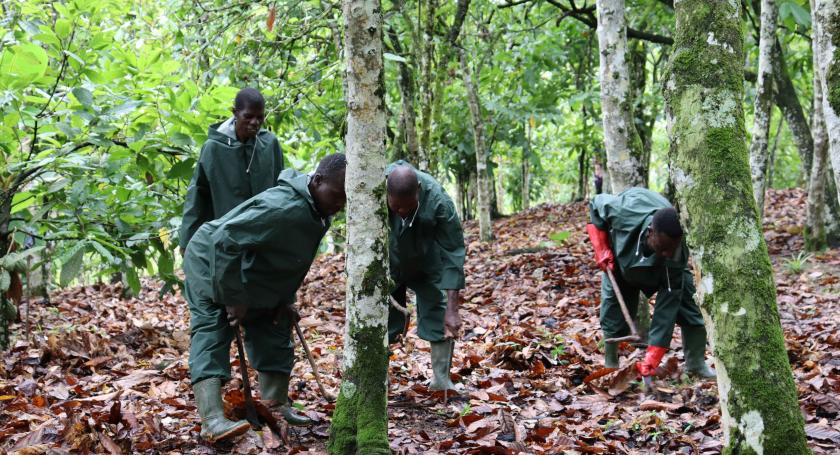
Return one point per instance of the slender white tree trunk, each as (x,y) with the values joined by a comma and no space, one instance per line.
(485,228)
(735,289)
(763,102)
(526,167)
(621,140)
(815,235)
(360,422)
(827,34)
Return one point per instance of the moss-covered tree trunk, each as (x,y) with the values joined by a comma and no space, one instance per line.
(485,228)
(360,421)
(815,235)
(735,287)
(621,140)
(827,34)
(763,103)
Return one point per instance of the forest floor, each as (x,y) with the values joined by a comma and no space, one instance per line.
(102,374)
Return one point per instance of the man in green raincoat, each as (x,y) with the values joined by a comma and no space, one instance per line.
(238,161)
(427,256)
(244,269)
(637,235)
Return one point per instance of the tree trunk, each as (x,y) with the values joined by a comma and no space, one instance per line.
(827,34)
(485,227)
(499,184)
(408,117)
(621,140)
(427,95)
(459,195)
(360,421)
(643,121)
(815,236)
(763,103)
(526,167)
(735,288)
(791,108)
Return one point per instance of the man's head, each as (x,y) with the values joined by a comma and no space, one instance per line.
(327,184)
(403,191)
(249,111)
(665,233)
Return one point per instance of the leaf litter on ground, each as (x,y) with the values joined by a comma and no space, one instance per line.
(104,374)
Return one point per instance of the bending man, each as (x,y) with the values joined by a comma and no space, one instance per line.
(244,269)
(427,256)
(638,236)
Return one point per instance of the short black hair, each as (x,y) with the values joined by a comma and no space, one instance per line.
(402,182)
(667,221)
(332,166)
(247,97)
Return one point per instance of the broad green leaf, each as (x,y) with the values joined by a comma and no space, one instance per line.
(22,200)
(182,140)
(71,267)
(394,57)
(133,280)
(5,280)
(62,28)
(83,96)
(182,169)
(28,61)
(559,237)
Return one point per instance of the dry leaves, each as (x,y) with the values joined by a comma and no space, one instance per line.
(107,375)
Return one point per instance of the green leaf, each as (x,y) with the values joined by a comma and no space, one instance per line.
(28,62)
(181,169)
(166,265)
(22,200)
(103,252)
(5,280)
(133,280)
(800,14)
(71,267)
(394,57)
(62,28)
(83,96)
(559,237)
(182,140)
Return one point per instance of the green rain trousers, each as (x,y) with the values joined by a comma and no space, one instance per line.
(427,256)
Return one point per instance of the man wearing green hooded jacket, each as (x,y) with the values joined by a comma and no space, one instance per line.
(238,161)
(244,269)
(637,235)
(426,255)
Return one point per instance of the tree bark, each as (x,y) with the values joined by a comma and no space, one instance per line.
(735,287)
(485,228)
(360,422)
(621,140)
(815,235)
(763,103)
(526,167)
(408,117)
(427,95)
(827,35)
(791,108)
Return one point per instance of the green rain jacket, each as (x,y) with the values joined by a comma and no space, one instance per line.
(429,246)
(259,253)
(227,174)
(627,217)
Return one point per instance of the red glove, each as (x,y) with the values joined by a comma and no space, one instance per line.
(653,356)
(601,243)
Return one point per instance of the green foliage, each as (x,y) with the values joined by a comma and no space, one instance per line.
(559,238)
(796,264)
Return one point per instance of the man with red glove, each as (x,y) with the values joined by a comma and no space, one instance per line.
(637,235)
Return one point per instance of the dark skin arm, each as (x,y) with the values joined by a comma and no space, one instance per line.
(452,318)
